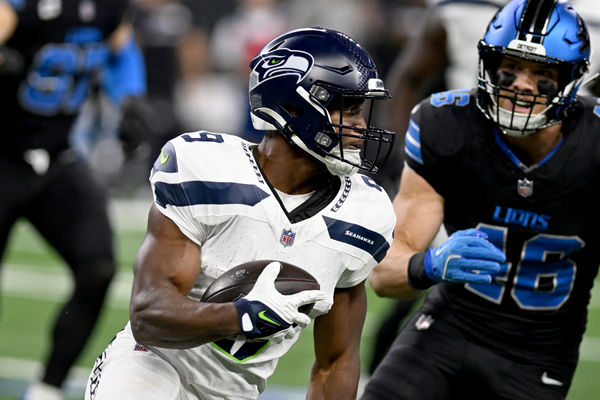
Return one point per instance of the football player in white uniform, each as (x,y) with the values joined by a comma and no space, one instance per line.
(295,197)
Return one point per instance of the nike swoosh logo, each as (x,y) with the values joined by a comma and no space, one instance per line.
(262,316)
(163,158)
(549,381)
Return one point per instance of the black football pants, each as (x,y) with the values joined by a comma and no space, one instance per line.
(436,363)
(68,206)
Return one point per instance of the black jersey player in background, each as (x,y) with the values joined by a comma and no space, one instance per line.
(50,51)
(514,163)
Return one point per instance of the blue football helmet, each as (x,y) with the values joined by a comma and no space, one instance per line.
(298,78)
(545,31)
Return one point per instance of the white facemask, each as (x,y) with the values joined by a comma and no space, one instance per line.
(341,168)
(519,121)
(334,166)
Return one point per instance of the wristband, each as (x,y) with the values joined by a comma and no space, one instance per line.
(417,277)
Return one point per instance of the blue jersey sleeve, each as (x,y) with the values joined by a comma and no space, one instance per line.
(438,128)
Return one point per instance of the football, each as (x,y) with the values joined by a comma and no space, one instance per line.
(238,281)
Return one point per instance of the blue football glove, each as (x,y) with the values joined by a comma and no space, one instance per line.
(264,311)
(466,256)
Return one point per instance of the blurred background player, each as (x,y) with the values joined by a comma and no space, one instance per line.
(516,160)
(51,50)
(120,138)
(220,201)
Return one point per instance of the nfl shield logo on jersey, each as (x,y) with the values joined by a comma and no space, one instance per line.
(287,237)
(525,187)
(424,322)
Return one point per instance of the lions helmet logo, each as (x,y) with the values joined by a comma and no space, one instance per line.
(281,62)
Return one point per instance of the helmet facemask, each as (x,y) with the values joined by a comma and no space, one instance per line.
(556,98)
(376,143)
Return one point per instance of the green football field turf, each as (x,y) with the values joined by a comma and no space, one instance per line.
(34,282)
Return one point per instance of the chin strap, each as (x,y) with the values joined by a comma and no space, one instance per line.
(334,166)
(518,124)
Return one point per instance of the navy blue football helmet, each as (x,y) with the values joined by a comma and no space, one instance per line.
(298,78)
(544,31)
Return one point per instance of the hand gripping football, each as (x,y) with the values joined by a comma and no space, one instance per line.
(238,281)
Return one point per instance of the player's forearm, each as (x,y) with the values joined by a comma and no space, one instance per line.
(390,277)
(420,212)
(340,382)
(180,322)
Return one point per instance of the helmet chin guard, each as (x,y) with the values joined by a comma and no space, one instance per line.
(518,124)
(336,165)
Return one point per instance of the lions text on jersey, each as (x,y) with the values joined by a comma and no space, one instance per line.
(544,217)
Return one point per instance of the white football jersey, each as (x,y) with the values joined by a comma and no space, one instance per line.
(590,12)
(465,24)
(210,186)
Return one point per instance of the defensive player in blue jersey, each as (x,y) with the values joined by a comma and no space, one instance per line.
(50,51)
(221,201)
(511,169)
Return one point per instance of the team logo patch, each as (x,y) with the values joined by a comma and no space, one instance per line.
(140,347)
(281,62)
(424,322)
(287,237)
(525,187)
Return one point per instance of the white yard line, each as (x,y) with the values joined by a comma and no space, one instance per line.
(53,283)
(590,349)
(129,214)
(19,369)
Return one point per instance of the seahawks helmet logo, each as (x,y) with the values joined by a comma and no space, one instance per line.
(282,62)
